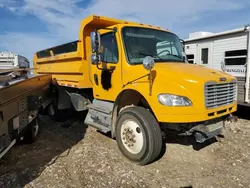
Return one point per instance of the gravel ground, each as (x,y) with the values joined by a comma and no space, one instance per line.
(70,154)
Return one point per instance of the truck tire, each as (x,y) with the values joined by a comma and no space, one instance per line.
(138,135)
(32,132)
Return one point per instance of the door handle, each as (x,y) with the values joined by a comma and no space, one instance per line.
(112,68)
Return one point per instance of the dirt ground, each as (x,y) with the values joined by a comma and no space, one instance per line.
(70,154)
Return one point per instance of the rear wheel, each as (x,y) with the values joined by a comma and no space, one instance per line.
(138,135)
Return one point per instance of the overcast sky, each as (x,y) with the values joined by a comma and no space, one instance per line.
(27,26)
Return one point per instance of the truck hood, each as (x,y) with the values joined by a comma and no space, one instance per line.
(190,73)
(186,80)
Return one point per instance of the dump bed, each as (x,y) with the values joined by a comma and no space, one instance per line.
(66,65)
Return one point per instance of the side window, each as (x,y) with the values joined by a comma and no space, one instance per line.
(109,48)
(190,58)
(237,57)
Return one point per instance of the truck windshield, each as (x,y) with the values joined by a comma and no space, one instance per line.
(141,42)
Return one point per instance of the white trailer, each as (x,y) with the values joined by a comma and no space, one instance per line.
(227,51)
(9,60)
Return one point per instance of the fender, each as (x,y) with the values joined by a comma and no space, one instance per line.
(127,97)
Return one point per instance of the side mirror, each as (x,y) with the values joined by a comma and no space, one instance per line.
(148,63)
(95,41)
(95,59)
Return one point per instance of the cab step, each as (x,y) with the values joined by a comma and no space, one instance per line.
(100,115)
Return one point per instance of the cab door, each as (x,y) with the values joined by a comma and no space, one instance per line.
(106,76)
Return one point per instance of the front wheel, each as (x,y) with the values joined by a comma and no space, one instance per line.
(138,135)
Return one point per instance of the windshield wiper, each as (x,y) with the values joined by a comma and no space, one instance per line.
(159,58)
(145,54)
(150,55)
(175,55)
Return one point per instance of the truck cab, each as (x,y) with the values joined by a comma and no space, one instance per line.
(140,85)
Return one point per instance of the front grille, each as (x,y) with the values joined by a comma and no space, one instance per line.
(217,95)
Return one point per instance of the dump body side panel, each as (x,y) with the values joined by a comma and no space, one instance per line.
(67,68)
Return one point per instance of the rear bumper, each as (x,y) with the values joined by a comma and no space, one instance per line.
(197,117)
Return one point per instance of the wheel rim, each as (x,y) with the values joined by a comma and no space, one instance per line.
(131,136)
(35,129)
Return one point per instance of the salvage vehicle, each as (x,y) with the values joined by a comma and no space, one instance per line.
(134,81)
(22,95)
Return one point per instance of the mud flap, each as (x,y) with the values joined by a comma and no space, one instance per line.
(64,101)
(79,102)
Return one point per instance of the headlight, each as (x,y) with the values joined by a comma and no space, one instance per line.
(174,100)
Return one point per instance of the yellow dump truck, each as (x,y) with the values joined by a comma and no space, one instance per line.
(135,82)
